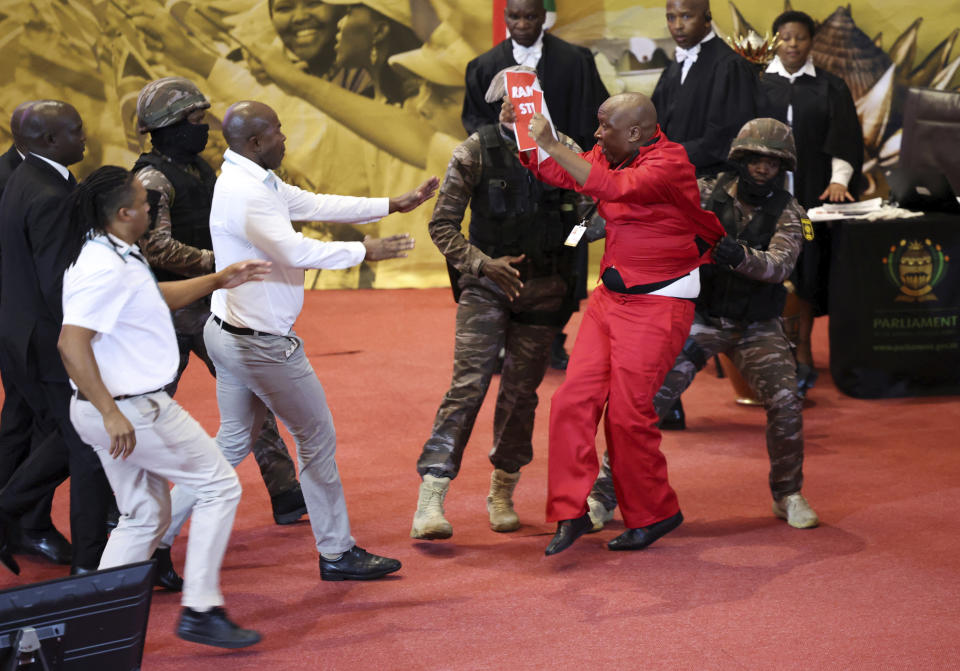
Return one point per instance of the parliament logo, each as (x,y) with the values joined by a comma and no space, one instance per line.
(915,268)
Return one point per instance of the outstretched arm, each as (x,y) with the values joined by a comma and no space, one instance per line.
(411,200)
(183,292)
(397,131)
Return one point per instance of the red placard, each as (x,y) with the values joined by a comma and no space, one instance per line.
(526,102)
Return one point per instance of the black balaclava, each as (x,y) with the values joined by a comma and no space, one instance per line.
(181,141)
(750,190)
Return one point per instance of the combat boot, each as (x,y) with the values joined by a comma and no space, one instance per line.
(500,501)
(796,511)
(429,522)
(599,515)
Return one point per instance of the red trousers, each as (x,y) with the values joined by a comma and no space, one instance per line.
(624,349)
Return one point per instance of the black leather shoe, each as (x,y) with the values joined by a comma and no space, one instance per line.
(637,539)
(675,419)
(80,570)
(48,543)
(559,359)
(6,557)
(213,627)
(289,506)
(357,564)
(166,577)
(567,532)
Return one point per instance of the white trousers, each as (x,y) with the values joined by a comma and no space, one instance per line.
(171,446)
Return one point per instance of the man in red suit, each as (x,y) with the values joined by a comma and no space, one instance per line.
(636,321)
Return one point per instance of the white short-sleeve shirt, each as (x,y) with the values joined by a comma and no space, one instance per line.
(111,290)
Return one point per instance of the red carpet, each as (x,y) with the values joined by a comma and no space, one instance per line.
(877,586)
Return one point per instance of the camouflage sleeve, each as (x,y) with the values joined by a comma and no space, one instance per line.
(463,174)
(776,263)
(158,245)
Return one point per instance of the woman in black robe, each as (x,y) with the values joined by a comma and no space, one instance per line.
(819,108)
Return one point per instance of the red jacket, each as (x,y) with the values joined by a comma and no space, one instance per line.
(652,209)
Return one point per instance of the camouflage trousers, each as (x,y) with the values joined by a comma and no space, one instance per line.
(761,352)
(276,467)
(487,321)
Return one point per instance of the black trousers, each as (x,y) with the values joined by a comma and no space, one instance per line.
(59,455)
(20,431)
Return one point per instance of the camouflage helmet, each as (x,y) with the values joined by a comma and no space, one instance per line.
(164,102)
(767,137)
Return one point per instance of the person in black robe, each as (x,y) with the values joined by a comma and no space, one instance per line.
(707,92)
(818,106)
(572,90)
(571,84)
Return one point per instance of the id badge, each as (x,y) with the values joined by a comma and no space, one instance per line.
(575,234)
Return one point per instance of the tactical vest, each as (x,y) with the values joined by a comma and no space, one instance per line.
(513,213)
(726,293)
(190,206)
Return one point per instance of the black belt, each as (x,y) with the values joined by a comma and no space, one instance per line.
(122,397)
(237,330)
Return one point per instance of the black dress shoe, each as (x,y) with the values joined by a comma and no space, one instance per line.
(213,627)
(80,570)
(289,506)
(48,543)
(567,532)
(637,539)
(559,359)
(6,557)
(166,577)
(357,564)
(675,419)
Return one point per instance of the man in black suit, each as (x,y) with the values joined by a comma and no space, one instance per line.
(707,92)
(572,90)
(17,420)
(31,236)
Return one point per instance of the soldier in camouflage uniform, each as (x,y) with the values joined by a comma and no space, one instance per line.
(738,311)
(516,280)
(179,186)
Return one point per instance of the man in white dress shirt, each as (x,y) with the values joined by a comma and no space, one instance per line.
(259,358)
(120,350)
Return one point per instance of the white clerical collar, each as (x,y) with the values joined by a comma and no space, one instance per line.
(681,54)
(528,56)
(62,169)
(776,68)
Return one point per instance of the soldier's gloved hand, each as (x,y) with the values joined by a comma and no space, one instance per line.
(729,252)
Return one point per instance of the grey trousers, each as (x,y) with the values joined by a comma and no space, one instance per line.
(255,373)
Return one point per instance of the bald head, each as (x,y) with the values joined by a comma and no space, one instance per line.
(633,109)
(252,130)
(53,129)
(627,120)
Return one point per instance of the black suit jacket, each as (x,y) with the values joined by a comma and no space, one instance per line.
(571,87)
(8,163)
(706,112)
(32,228)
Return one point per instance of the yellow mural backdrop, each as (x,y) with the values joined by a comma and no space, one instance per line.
(369,91)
